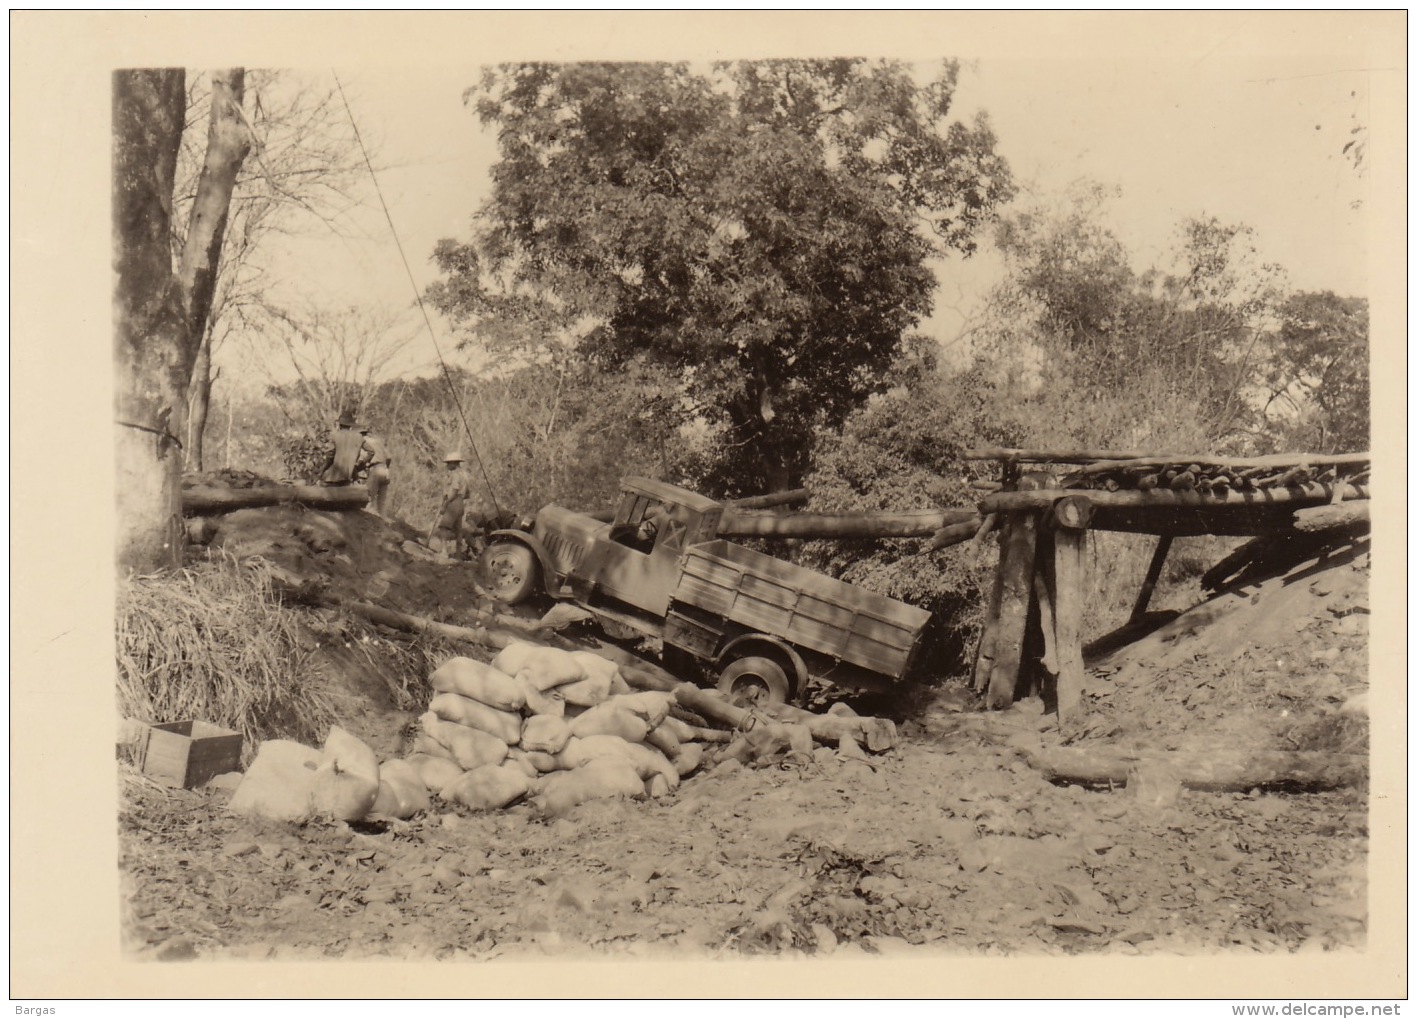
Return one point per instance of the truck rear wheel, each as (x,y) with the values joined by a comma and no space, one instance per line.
(511,571)
(754,680)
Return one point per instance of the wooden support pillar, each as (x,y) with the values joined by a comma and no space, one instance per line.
(1153,574)
(989,632)
(1067,622)
(1016,560)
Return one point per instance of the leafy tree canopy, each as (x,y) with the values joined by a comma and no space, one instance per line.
(761,229)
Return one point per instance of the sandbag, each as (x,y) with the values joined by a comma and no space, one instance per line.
(426,746)
(401,791)
(594,665)
(471,748)
(435,771)
(691,755)
(548,667)
(656,786)
(587,692)
(347,780)
(278,783)
(549,702)
(517,756)
(646,762)
(512,658)
(471,678)
(651,705)
(542,762)
(662,738)
(607,720)
(545,733)
(490,787)
(682,730)
(600,779)
(451,707)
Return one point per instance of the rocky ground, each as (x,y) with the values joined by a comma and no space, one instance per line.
(950,842)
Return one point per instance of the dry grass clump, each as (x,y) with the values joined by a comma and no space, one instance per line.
(212,642)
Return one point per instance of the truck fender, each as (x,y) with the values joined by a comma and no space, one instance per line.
(799,667)
(550,578)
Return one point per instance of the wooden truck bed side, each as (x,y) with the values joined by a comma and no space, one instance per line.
(800,605)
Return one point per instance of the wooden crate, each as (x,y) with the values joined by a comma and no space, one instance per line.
(187,754)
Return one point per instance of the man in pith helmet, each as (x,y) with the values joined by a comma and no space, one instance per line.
(449,527)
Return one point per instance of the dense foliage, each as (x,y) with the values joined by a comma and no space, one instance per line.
(759,231)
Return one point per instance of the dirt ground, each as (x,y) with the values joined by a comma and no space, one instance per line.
(949,842)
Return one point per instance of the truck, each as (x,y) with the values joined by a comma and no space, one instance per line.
(761,628)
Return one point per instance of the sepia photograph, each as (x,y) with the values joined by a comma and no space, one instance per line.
(893,490)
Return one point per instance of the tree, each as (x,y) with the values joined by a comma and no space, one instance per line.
(304,170)
(161,310)
(758,229)
(1319,371)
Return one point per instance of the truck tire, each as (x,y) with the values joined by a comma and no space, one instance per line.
(754,680)
(511,571)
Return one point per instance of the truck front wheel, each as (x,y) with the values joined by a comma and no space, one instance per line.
(754,680)
(511,571)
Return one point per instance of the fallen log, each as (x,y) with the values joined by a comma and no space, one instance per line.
(1333,517)
(481,636)
(202,499)
(866,524)
(1012,502)
(793,497)
(1214,770)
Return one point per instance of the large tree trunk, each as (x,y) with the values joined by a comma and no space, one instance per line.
(150,332)
(228,141)
(199,399)
(161,316)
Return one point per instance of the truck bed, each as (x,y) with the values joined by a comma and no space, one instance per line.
(800,605)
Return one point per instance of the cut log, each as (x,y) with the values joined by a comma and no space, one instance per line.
(1344,515)
(1011,502)
(1216,770)
(954,534)
(878,734)
(1067,585)
(202,499)
(710,707)
(1016,559)
(1073,511)
(794,497)
(1050,457)
(1278,461)
(1153,574)
(912,524)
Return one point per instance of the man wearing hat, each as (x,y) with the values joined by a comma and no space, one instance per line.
(448,529)
(379,464)
(348,452)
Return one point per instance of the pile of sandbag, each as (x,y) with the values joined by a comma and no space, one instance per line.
(557,727)
(561,727)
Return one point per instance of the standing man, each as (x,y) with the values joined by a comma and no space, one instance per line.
(379,464)
(448,529)
(347,452)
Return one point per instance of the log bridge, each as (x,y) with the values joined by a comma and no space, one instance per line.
(1044,503)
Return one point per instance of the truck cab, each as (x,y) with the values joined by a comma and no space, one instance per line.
(626,566)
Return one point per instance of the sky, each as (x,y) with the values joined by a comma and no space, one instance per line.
(1241,117)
